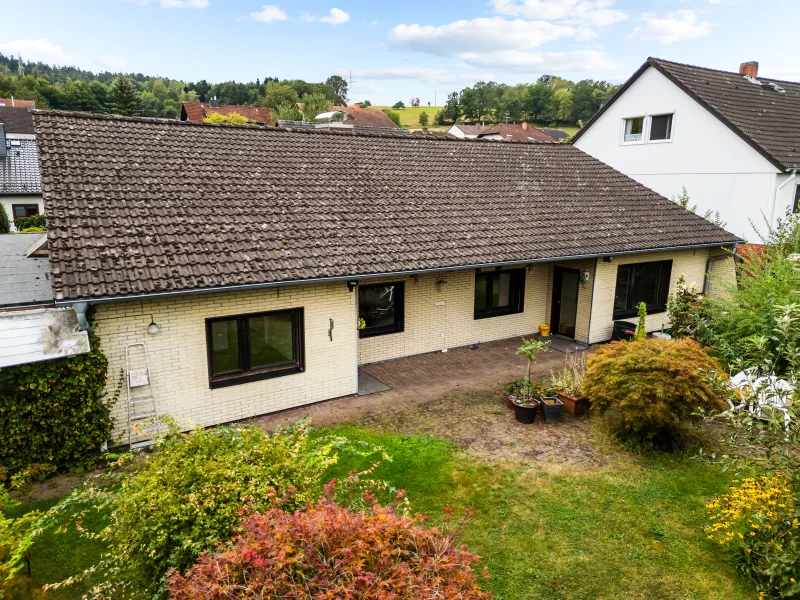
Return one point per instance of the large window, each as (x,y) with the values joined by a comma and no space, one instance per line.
(499,293)
(642,282)
(251,347)
(381,307)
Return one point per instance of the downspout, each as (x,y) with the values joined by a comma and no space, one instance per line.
(778,191)
(80,309)
(710,262)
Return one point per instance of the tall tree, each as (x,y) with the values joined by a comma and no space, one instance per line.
(314,104)
(452,108)
(338,86)
(124,97)
(278,93)
(538,102)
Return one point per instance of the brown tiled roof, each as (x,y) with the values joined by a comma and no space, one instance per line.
(366,117)
(197,111)
(517,133)
(765,118)
(140,206)
(16,102)
(16,120)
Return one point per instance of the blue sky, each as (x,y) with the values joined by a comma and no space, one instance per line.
(397,50)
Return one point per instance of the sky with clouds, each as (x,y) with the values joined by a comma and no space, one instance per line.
(396,51)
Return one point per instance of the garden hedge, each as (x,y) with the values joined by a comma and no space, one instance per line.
(53,412)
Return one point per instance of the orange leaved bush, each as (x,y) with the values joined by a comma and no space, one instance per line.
(329,552)
(653,384)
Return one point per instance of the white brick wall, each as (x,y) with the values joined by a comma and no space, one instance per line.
(692,263)
(178,354)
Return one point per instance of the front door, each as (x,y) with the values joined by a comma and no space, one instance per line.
(565,301)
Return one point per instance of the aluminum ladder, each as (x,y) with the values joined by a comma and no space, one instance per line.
(141,403)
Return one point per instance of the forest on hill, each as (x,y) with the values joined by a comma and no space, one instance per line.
(551,99)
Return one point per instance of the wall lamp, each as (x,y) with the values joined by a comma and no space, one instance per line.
(608,258)
(153,329)
(352,285)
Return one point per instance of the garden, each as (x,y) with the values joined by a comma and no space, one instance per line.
(687,485)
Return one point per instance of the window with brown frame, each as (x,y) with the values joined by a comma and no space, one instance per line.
(642,282)
(21,211)
(499,293)
(246,348)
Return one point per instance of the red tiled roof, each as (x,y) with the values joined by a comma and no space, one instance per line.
(17,102)
(366,117)
(197,111)
(519,132)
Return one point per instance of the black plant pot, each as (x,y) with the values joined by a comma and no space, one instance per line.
(525,414)
(551,408)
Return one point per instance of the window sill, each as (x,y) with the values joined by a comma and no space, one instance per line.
(366,333)
(238,378)
(669,141)
(497,314)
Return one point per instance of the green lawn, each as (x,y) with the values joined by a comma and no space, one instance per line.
(631,531)
(409,117)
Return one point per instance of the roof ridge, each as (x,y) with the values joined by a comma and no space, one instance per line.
(680,64)
(363,131)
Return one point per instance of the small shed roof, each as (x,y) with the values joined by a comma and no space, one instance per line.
(26,280)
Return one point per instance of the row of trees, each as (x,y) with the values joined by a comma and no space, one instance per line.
(69,88)
(550,100)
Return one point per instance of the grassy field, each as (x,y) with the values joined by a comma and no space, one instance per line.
(409,117)
(631,531)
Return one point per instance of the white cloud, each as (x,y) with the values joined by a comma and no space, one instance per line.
(502,44)
(174,3)
(680,25)
(269,13)
(110,62)
(599,13)
(36,50)
(476,35)
(426,74)
(539,62)
(336,16)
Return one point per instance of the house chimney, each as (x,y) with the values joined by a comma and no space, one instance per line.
(358,106)
(213,103)
(749,69)
(524,124)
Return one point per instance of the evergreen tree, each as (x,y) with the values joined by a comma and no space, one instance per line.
(124,97)
(5,223)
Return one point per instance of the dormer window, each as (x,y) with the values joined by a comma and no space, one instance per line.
(634,130)
(647,129)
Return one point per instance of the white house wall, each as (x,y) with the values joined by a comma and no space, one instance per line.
(8,201)
(719,169)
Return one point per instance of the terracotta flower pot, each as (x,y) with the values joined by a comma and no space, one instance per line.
(574,406)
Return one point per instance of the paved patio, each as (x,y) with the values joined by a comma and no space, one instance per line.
(458,395)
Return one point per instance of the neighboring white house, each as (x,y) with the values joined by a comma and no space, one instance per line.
(20,182)
(469,132)
(730,139)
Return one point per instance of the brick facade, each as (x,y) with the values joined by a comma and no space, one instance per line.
(435,319)
(178,354)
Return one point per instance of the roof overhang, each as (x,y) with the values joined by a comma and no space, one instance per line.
(368,276)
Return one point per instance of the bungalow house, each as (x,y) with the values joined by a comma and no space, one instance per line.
(197,111)
(461,131)
(730,138)
(515,132)
(338,248)
(16,102)
(20,183)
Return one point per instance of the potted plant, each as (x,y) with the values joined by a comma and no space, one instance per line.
(567,384)
(551,408)
(525,409)
(531,349)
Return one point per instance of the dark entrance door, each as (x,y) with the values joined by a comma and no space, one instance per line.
(565,301)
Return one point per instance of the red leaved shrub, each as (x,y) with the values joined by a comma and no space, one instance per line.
(328,552)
